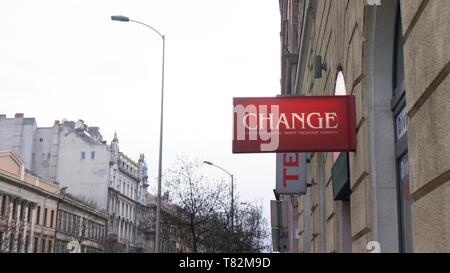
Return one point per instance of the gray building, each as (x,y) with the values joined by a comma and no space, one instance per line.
(76,156)
(79,222)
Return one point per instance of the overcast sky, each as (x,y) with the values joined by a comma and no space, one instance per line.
(67,59)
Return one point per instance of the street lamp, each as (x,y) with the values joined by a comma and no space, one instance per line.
(63,191)
(122,18)
(232,192)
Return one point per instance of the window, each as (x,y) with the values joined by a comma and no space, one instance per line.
(60,246)
(38,215)
(19,242)
(51,218)
(83,155)
(21,211)
(69,223)
(36,242)
(59,221)
(63,221)
(50,244)
(14,209)
(40,140)
(27,243)
(45,217)
(30,210)
(92,155)
(43,246)
(73,228)
(11,242)
(78,224)
(2,212)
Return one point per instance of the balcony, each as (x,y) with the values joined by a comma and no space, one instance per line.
(130,174)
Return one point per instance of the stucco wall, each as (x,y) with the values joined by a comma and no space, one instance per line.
(88,177)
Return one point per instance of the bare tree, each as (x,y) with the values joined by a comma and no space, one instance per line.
(249,235)
(198,196)
(251,230)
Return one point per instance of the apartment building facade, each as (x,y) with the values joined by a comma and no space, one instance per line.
(37,216)
(76,156)
(391,194)
(28,208)
(79,222)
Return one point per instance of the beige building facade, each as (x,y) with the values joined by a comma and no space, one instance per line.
(393,193)
(75,155)
(28,208)
(37,216)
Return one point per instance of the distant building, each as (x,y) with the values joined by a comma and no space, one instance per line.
(26,224)
(36,217)
(76,156)
(79,222)
(172,227)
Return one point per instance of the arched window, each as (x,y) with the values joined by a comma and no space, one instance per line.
(340,89)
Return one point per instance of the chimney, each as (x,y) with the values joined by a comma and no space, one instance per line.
(19,115)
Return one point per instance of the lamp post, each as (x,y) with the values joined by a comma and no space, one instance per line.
(122,18)
(63,190)
(232,192)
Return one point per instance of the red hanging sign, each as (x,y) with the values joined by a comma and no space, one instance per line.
(294,124)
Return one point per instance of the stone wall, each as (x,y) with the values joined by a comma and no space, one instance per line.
(427,66)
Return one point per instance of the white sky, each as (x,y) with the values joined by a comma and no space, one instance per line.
(67,59)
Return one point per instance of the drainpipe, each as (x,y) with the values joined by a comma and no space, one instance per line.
(56,225)
(373,184)
(307,8)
